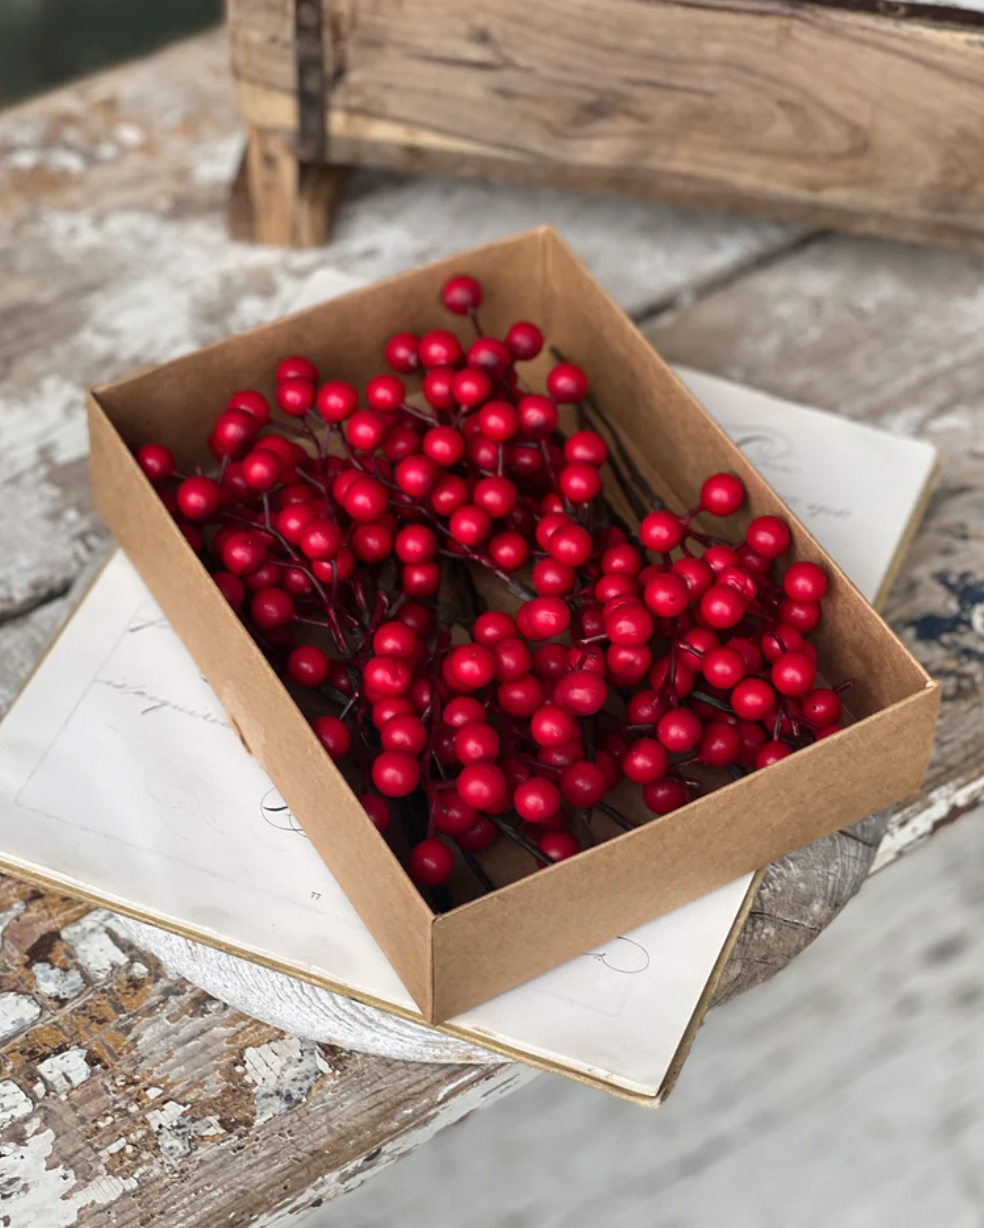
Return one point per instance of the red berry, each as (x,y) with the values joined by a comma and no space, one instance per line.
(231,587)
(401,352)
(552,726)
(822,707)
(570,544)
(513,659)
(581,692)
(404,732)
(439,349)
(321,539)
(252,402)
(771,753)
(722,607)
(450,492)
(520,699)
(583,784)
(421,580)
(585,448)
(667,595)
(454,817)
(462,295)
(388,675)
(645,760)
(567,383)
(724,667)
(296,367)
(666,795)
(417,476)
(631,624)
(544,618)
(472,666)
(661,531)
(477,742)
(308,665)
(498,421)
(471,388)
(395,773)
(537,800)
(558,845)
(805,582)
(271,608)
(470,525)
(538,416)
(444,445)
(371,543)
(551,578)
(580,483)
(333,734)
(156,461)
(720,745)
(479,836)
(483,786)
(296,396)
(794,674)
(753,700)
(722,494)
(395,639)
(366,430)
(679,730)
(243,553)
(386,393)
(336,401)
(438,387)
(262,469)
(416,543)
(199,498)
(524,340)
(377,809)
(768,536)
(490,355)
(493,625)
(463,710)
(803,615)
(696,574)
(365,499)
(431,863)
(384,710)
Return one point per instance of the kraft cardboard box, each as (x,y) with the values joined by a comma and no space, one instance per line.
(453,960)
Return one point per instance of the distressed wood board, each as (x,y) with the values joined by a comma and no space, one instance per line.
(858,116)
(112,238)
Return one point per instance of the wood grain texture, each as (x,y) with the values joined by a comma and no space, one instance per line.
(810,112)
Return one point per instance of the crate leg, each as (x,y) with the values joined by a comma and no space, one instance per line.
(277,200)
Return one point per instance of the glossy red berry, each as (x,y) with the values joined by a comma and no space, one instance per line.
(365,499)
(231,587)
(262,469)
(543,618)
(753,699)
(417,476)
(471,388)
(395,773)
(579,482)
(722,494)
(768,536)
(490,355)
(822,707)
(723,667)
(567,383)
(156,461)
(498,421)
(296,367)
(493,625)
(472,666)
(272,608)
(199,498)
(296,396)
(803,615)
(470,525)
(570,544)
(333,734)
(431,863)
(722,607)
(366,429)
(404,732)
(666,795)
(462,295)
(582,692)
(439,348)
(645,760)
(558,845)
(520,699)
(483,786)
(679,730)
(377,809)
(552,726)
(536,800)
(720,745)
(538,416)
(385,393)
(388,675)
(308,665)
(771,753)
(401,352)
(252,402)
(805,582)
(667,595)
(794,674)
(445,445)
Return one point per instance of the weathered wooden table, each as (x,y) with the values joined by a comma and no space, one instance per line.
(127,1097)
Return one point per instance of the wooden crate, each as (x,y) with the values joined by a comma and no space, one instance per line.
(823,113)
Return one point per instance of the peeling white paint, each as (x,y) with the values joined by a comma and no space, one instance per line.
(17,1011)
(95,949)
(176,1131)
(282,1072)
(10,914)
(40,1194)
(60,983)
(13,1104)
(918,822)
(63,1071)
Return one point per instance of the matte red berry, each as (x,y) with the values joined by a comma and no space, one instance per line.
(794,674)
(199,498)
(333,734)
(462,295)
(567,383)
(722,494)
(805,582)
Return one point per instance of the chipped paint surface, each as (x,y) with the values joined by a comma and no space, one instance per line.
(13,1103)
(282,1072)
(62,983)
(63,1071)
(96,950)
(17,1010)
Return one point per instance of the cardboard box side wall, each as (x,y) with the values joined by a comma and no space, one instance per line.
(495,942)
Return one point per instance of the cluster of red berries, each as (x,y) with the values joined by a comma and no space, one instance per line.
(657,657)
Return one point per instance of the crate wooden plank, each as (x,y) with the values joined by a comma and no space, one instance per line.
(807,111)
